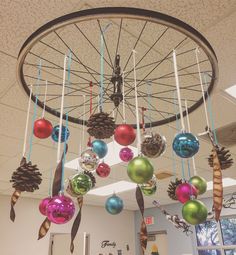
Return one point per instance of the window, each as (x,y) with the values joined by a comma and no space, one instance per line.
(217,238)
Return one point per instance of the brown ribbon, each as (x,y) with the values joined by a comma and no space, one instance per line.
(143,229)
(15,196)
(76,224)
(56,187)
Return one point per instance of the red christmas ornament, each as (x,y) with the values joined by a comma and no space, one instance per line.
(103,170)
(42,128)
(124,134)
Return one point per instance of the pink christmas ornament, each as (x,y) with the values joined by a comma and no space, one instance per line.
(103,170)
(126,154)
(43,205)
(60,209)
(184,192)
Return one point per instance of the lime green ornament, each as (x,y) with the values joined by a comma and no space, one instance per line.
(150,187)
(194,212)
(80,184)
(199,183)
(140,170)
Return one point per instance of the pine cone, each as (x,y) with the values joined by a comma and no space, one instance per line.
(153,146)
(172,187)
(26,177)
(224,156)
(101,126)
(92,177)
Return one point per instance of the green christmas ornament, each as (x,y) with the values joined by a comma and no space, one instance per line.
(150,187)
(140,170)
(194,212)
(80,184)
(199,183)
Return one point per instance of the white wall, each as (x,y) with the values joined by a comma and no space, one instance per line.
(20,237)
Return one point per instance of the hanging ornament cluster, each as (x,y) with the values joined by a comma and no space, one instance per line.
(101,125)
(153,145)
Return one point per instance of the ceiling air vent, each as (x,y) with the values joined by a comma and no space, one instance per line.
(226,135)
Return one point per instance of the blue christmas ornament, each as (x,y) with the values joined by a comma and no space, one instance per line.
(100,148)
(185,145)
(114,205)
(64,133)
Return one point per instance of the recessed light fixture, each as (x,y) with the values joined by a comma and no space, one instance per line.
(227,182)
(231,91)
(116,187)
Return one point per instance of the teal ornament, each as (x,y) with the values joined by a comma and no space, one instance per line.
(100,148)
(185,145)
(114,205)
(64,134)
(140,170)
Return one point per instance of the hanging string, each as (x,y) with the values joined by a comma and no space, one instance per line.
(178,90)
(201,83)
(209,104)
(178,127)
(136,107)
(61,111)
(27,121)
(90,108)
(45,98)
(64,159)
(189,130)
(35,110)
(83,127)
(149,91)
(51,175)
(143,118)
(123,92)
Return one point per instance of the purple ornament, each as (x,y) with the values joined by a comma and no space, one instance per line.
(103,170)
(60,209)
(126,154)
(184,192)
(43,205)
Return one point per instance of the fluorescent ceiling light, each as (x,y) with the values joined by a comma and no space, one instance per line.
(116,187)
(112,158)
(231,91)
(227,182)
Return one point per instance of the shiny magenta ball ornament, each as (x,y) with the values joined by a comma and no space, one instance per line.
(43,205)
(103,170)
(185,191)
(124,134)
(42,128)
(126,154)
(60,209)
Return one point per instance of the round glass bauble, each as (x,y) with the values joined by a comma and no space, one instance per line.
(80,184)
(43,205)
(199,183)
(124,134)
(88,160)
(100,148)
(103,170)
(65,133)
(194,212)
(185,145)
(140,170)
(114,205)
(42,128)
(150,187)
(126,154)
(185,191)
(60,209)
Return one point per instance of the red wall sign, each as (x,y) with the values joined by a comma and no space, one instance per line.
(149,220)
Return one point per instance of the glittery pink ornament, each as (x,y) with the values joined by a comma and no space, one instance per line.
(126,154)
(60,209)
(184,192)
(103,170)
(43,205)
